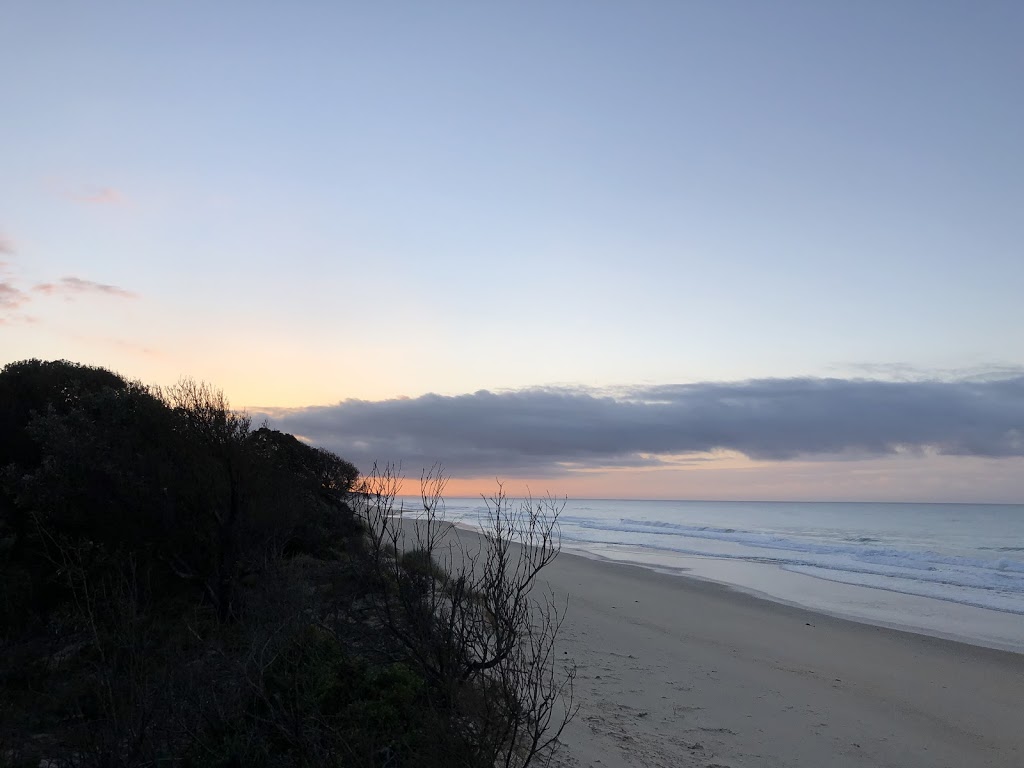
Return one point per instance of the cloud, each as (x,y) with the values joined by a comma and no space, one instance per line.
(908,372)
(76,286)
(11,297)
(103,196)
(91,195)
(550,431)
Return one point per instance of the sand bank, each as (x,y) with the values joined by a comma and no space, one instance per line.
(673,671)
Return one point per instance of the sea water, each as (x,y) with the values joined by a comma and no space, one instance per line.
(949,570)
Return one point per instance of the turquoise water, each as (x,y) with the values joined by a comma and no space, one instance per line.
(953,570)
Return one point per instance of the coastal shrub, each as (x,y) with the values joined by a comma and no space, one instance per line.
(475,623)
(183,589)
(420,562)
(130,517)
(420,572)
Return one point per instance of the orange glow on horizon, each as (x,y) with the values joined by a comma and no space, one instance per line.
(936,479)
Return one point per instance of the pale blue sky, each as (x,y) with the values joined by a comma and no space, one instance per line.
(318,201)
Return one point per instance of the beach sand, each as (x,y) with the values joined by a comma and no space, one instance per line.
(673,671)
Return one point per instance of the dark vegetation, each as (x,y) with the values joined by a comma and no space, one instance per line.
(180,589)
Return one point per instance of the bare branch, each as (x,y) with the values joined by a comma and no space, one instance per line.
(469,612)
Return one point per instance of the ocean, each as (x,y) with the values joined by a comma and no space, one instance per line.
(947,570)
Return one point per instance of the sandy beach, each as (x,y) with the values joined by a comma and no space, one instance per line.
(673,671)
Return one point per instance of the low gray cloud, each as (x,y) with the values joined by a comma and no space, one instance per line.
(549,431)
(74,286)
(908,372)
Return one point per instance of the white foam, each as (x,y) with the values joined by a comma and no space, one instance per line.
(886,564)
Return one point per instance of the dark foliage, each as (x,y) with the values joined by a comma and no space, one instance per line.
(471,617)
(27,389)
(180,588)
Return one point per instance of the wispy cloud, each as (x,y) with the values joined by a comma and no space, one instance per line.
(101,196)
(18,320)
(123,345)
(908,372)
(86,194)
(11,297)
(546,431)
(70,287)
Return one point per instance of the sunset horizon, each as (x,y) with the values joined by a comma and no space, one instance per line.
(794,228)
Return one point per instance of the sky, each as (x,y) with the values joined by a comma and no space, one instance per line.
(652,249)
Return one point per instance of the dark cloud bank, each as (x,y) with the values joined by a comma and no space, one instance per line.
(544,431)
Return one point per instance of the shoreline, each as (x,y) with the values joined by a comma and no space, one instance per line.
(688,672)
(897,599)
(727,591)
(1009,640)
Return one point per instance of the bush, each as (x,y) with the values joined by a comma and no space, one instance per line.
(182,589)
(470,619)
